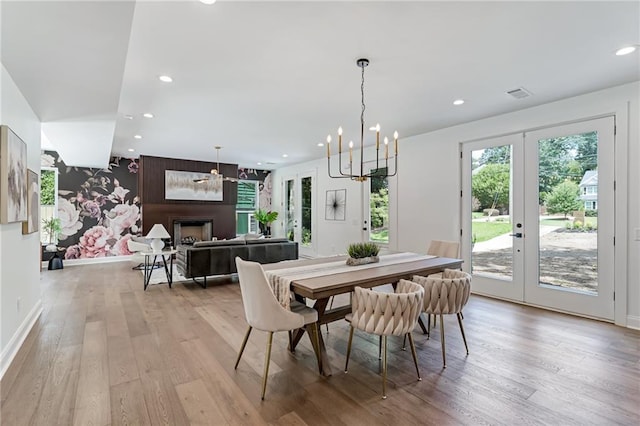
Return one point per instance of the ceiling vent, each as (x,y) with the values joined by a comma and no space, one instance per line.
(519,93)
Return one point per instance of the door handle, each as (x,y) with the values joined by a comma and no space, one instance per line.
(517,235)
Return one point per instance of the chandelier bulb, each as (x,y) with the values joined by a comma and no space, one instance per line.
(340,130)
(386,140)
(328,138)
(350,144)
(395,134)
(378,127)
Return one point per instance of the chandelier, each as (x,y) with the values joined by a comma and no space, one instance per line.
(374,172)
(215,172)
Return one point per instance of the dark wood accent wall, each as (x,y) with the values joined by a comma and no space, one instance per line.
(155,209)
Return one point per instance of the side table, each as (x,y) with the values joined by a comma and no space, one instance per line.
(148,264)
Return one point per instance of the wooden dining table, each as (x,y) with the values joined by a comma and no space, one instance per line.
(324,285)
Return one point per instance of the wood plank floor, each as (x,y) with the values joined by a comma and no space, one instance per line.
(105,352)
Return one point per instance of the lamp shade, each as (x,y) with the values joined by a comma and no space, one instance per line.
(157,233)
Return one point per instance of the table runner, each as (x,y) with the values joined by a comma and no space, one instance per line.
(280,280)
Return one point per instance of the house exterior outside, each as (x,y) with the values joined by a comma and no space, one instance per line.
(589,190)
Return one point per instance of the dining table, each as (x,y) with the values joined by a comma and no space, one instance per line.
(321,278)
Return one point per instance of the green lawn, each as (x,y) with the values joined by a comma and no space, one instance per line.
(381,236)
(559,221)
(483,231)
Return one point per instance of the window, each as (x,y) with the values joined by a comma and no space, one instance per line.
(379,208)
(246,206)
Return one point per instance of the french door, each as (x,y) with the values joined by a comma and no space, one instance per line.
(538,218)
(300,217)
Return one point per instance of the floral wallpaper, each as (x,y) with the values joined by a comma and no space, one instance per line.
(99,209)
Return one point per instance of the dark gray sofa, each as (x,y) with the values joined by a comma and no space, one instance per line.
(208,258)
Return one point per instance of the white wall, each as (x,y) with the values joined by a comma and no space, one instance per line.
(428,183)
(19,254)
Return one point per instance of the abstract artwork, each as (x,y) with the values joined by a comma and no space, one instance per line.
(336,205)
(192,186)
(33,204)
(13,177)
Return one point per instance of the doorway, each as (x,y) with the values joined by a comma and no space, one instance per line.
(538,217)
(299,202)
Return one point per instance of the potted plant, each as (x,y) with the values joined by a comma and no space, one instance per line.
(362,253)
(51,226)
(265,218)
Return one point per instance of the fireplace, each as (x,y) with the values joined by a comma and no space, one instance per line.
(188,231)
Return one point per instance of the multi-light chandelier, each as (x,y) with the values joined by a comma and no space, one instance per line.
(374,172)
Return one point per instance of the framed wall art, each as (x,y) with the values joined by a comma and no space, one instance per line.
(13,177)
(336,204)
(33,204)
(192,186)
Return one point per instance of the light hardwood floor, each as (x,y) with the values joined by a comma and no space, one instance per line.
(106,352)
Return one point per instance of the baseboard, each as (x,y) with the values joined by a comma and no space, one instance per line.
(108,259)
(633,322)
(14,345)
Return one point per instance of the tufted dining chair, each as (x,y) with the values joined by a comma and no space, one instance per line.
(386,314)
(263,311)
(446,295)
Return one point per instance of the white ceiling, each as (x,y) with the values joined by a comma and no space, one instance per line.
(263,79)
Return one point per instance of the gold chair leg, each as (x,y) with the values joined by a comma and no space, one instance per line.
(428,326)
(384,367)
(244,343)
(267,359)
(404,343)
(444,358)
(460,318)
(380,347)
(291,349)
(413,352)
(349,347)
(330,307)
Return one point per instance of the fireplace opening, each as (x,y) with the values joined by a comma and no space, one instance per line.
(189,231)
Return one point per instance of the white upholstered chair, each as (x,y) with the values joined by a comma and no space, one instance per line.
(446,295)
(444,249)
(263,311)
(386,314)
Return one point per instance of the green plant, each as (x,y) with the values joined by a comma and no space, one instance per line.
(51,226)
(265,217)
(360,250)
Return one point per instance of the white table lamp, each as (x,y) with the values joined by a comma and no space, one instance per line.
(157,233)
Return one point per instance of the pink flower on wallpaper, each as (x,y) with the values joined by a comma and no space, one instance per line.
(69,218)
(119,193)
(73,252)
(133,166)
(91,209)
(121,247)
(121,217)
(96,242)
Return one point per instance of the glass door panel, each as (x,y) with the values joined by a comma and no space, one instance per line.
(492,212)
(571,191)
(290,222)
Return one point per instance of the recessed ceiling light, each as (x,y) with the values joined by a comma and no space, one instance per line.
(137,137)
(458,102)
(207,1)
(128,117)
(165,79)
(626,50)
(147,115)
(259,163)
(320,144)
(131,149)
(285,155)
